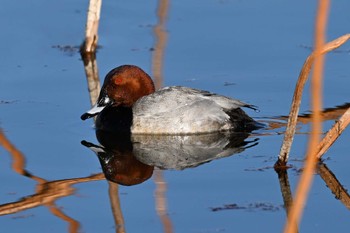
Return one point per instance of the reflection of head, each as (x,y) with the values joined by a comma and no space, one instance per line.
(125,169)
(118,162)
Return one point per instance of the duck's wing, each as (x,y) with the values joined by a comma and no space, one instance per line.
(169,98)
(177,110)
(225,102)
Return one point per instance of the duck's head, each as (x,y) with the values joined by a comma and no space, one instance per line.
(122,86)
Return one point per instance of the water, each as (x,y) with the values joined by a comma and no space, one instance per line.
(256,47)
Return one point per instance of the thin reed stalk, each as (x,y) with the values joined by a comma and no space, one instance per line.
(333,134)
(160,35)
(92,22)
(316,128)
(160,43)
(294,110)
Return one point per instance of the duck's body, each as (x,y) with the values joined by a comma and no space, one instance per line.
(183,110)
(171,110)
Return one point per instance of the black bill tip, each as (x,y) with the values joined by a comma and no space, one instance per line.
(86,116)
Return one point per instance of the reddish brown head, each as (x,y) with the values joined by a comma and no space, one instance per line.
(123,86)
(126,84)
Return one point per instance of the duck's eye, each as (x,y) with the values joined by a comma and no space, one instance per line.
(106,100)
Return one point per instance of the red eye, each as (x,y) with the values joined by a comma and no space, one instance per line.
(118,80)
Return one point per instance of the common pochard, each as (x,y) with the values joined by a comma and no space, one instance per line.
(128,102)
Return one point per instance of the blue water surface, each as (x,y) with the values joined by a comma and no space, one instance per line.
(250,50)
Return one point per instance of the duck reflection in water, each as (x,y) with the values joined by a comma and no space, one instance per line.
(129,159)
(118,163)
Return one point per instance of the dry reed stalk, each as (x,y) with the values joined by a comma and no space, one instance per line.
(160,35)
(333,134)
(88,49)
(93,19)
(161,39)
(316,90)
(294,110)
(92,77)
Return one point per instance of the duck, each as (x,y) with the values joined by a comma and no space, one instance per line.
(128,102)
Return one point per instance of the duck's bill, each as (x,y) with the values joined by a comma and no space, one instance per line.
(96,109)
(95,148)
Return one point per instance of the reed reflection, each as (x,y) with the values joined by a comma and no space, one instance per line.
(340,193)
(331,181)
(280,122)
(47,192)
(327,114)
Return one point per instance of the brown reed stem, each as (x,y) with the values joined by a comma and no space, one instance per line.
(316,90)
(160,43)
(332,134)
(157,66)
(92,77)
(294,110)
(92,22)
